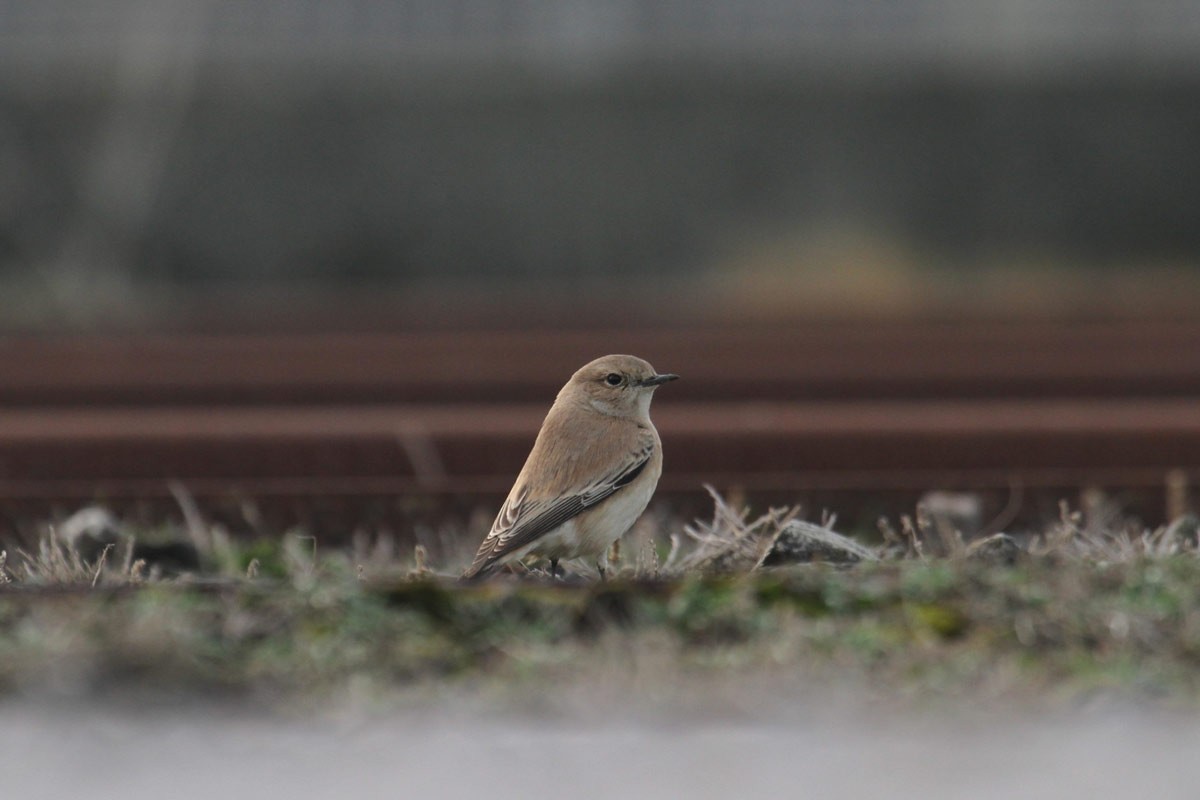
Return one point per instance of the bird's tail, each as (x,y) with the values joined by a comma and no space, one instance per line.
(478,571)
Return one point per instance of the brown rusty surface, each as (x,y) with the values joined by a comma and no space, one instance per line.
(832,361)
(866,408)
(479,448)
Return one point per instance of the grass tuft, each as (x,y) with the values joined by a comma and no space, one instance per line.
(1092,601)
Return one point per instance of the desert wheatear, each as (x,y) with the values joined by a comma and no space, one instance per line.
(590,474)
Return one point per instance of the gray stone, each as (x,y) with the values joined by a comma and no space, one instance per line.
(89,531)
(801,542)
(999,548)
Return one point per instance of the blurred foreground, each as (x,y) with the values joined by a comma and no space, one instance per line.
(695,751)
(1082,607)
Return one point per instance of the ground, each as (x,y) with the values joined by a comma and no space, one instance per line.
(1065,666)
(926,629)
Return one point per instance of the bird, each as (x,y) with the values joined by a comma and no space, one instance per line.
(592,470)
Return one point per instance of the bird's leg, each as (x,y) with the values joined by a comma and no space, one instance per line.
(554,568)
(602,566)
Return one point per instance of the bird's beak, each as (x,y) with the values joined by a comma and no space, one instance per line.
(657,380)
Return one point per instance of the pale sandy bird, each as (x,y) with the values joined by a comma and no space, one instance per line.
(590,474)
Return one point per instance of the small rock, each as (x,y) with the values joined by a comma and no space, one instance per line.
(1185,529)
(801,542)
(170,558)
(89,531)
(92,529)
(999,548)
(954,511)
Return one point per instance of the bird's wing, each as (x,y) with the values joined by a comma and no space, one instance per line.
(524,518)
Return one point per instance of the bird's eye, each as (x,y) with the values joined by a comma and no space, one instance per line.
(612,379)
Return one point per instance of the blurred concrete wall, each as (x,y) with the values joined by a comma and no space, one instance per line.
(365,140)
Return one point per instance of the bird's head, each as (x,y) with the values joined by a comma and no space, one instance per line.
(618,385)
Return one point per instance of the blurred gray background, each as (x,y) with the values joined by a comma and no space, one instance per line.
(154,153)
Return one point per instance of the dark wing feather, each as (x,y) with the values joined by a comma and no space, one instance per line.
(522,521)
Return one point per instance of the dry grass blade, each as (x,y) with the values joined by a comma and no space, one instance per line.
(196,528)
(55,563)
(731,542)
(1112,539)
(98,569)
(58,564)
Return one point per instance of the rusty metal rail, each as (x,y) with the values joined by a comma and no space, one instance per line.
(356,449)
(839,408)
(737,363)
